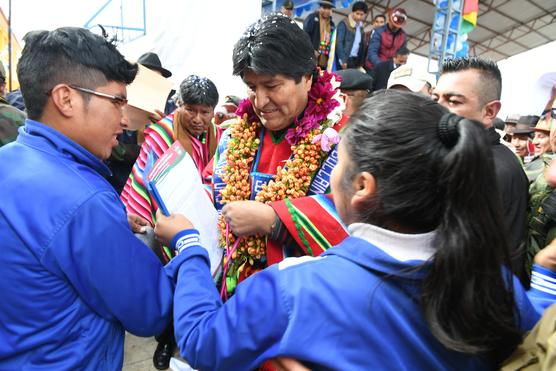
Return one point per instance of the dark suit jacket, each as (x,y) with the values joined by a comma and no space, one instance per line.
(311,25)
(381,73)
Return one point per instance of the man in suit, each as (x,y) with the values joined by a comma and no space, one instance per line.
(320,26)
(382,71)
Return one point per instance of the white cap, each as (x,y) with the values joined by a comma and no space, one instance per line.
(409,77)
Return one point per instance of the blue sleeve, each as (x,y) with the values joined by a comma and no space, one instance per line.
(117,275)
(543,288)
(374,46)
(340,43)
(238,335)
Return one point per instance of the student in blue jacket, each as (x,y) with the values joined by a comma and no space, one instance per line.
(421,283)
(73,277)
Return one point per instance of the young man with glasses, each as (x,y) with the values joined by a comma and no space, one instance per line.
(73,276)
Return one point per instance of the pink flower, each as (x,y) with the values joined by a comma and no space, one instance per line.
(327,138)
(301,129)
(245,107)
(320,100)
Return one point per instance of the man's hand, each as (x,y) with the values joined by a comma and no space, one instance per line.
(137,223)
(547,256)
(168,226)
(248,218)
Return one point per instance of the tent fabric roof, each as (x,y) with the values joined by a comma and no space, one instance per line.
(504,27)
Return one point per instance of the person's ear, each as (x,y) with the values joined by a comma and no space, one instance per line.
(307,80)
(63,99)
(491,109)
(364,187)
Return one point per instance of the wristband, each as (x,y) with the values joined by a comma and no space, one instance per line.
(185,239)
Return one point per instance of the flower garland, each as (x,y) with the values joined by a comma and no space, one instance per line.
(323,110)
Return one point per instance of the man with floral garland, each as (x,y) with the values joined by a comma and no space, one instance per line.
(281,148)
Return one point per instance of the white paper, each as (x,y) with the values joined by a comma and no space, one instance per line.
(178,184)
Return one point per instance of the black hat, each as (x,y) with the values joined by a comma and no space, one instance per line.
(530,120)
(353,79)
(513,118)
(522,129)
(152,62)
(327,3)
(498,123)
(288,4)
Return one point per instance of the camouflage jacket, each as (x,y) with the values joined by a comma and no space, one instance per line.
(541,224)
(10,120)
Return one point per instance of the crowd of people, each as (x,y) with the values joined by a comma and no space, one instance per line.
(407,227)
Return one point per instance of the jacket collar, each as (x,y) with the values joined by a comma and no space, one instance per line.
(44,138)
(400,246)
(387,252)
(492,135)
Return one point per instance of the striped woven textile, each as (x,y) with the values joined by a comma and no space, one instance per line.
(158,138)
(313,223)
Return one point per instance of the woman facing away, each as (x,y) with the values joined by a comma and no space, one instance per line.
(420,283)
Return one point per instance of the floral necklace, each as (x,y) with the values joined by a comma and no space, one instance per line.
(323,111)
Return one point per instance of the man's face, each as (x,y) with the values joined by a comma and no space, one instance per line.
(541,141)
(325,11)
(459,92)
(277,99)
(286,11)
(400,60)
(378,22)
(521,144)
(358,16)
(101,120)
(353,100)
(196,118)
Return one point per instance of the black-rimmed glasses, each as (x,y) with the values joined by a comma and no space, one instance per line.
(117,100)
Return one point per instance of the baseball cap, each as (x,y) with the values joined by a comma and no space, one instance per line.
(409,77)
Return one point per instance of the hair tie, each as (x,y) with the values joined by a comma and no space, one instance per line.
(448,129)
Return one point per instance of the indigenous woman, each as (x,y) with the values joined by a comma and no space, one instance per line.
(190,124)
(422,282)
(281,147)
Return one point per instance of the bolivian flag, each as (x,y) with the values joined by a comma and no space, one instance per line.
(470,11)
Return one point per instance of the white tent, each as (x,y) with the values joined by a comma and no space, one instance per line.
(190,36)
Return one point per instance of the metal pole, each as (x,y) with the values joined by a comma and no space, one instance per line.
(10,44)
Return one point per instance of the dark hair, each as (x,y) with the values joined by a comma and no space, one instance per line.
(275,45)
(490,76)
(359,5)
(440,177)
(67,55)
(198,90)
(402,51)
(379,16)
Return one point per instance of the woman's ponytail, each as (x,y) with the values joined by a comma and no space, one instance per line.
(467,296)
